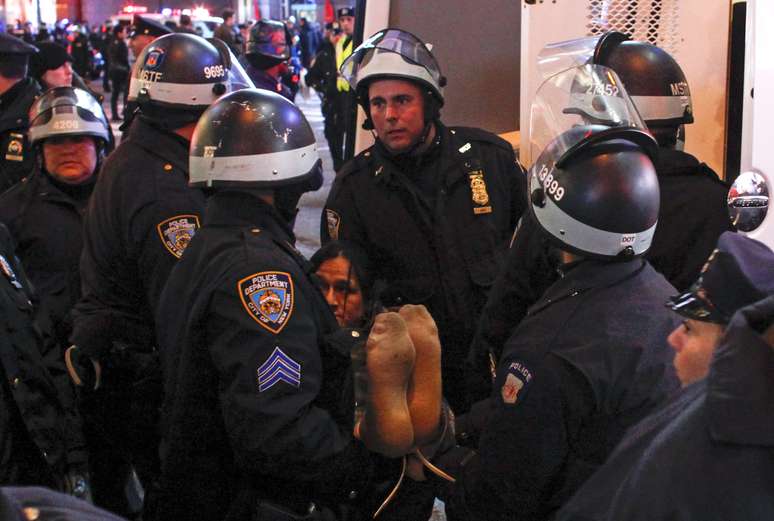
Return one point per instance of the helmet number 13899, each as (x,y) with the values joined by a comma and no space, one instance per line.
(550,185)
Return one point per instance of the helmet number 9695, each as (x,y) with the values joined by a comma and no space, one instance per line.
(214,71)
(550,185)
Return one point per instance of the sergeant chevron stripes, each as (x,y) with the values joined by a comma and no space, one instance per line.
(278,367)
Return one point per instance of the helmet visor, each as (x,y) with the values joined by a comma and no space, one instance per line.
(410,48)
(555,58)
(581,96)
(65,96)
(237,76)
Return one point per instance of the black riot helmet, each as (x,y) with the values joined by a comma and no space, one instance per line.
(253,138)
(653,78)
(395,54)
(269,44)
(178,75)
(594,191)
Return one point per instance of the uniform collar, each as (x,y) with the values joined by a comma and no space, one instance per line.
(164,144)
(740,390)
(244,209)
(587,275)
(454,157)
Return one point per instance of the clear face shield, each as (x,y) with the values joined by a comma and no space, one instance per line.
(581,96)
(406,54)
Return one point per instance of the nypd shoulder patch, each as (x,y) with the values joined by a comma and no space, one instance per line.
(279,367)
(176,232)
(517,381)
(334,221)
(268,297)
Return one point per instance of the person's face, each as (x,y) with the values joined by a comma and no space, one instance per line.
(694,342)
(59,77)
(341,290)
(347,24)
(121,34)
(140,42)
(398,113)
(70,159)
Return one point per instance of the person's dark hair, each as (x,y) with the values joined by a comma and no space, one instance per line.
(119,29)
(361,266)
(185,20)
(227,13)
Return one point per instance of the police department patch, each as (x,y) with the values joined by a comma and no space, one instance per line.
(517,381)
(15,151)
(176,232)
(154,59)
(268,298)
(334,221)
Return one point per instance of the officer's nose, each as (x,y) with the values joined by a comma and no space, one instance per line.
(391,112)
(675,338)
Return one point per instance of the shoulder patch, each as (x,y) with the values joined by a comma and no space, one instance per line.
(333,220)
(517,381)
(176,232)
(279,367)
(268,298)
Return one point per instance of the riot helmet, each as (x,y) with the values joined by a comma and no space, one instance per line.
(593,189)
(395,54)
(269,44)
(654,80)
(67,111)
(178,75)
(253,138)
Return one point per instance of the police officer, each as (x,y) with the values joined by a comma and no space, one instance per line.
(721,426)
(40,432)
(69,137)
(256,423)
(266,56)
(693,210)
(590,358)
(343,101)
(453,195)
(143,31)
(323,77)
(17,91)
(140,219)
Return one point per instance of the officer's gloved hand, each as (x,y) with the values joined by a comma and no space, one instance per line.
(83,370)
(76,483)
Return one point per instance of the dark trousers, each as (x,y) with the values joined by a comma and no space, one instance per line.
(120,86)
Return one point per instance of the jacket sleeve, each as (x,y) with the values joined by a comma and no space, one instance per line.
(523,447)
(270,376)
(528,273)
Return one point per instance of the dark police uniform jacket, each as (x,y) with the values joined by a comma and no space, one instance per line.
(708,454)
(441,245)
(589,360)
(140,218)
(254,407)
(692,216)
(38,421)
(16,158)
(47,223)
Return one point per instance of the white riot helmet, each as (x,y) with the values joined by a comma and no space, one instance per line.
(67,111)
(394,54)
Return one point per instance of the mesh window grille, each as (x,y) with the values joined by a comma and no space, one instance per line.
(653,21)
